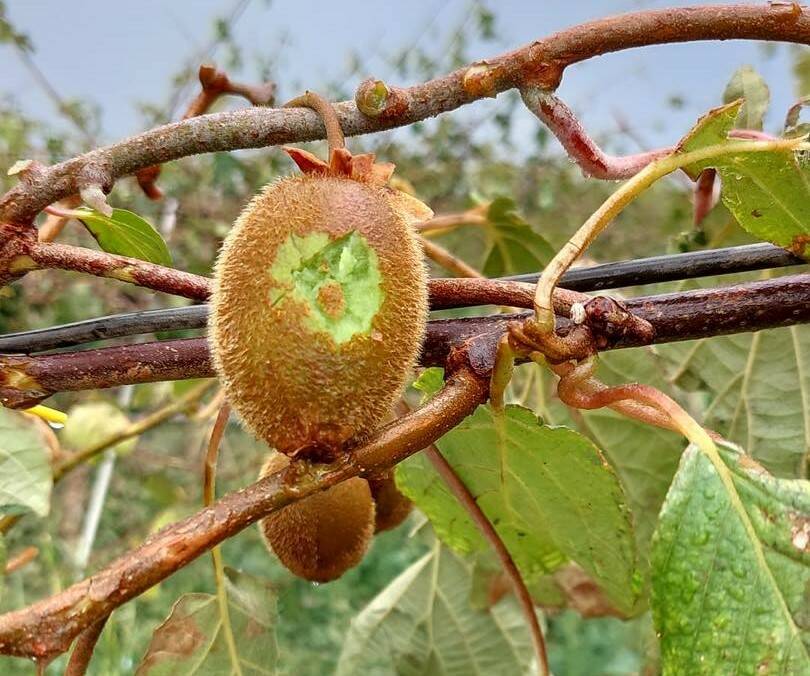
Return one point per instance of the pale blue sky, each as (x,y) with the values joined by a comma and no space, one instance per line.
(119,53)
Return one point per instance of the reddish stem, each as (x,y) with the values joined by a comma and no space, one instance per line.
(581,148)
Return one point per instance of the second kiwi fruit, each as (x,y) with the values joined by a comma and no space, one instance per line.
(322,536)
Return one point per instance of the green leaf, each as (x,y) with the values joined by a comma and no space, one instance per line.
(126,234)
(513,246)
(644,457)
(25,465)
(750,86)
(191,640)
(767,192)
(547,490)
(711,129)
(731,570)
(429,382)
(769,195)
(759,392)
(423,622)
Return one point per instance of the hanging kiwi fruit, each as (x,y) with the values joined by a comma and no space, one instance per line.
(321,536)
(318,314)
(391,507)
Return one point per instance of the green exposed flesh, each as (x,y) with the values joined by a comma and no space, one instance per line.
(305,265)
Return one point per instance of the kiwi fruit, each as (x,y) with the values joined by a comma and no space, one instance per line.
(318,314)
(325,534)
(391,506)
(320,304)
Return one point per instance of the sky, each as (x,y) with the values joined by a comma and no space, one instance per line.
(119,54)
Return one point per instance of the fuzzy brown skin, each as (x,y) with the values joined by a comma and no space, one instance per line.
(294,387)
(391,507)
(322,536)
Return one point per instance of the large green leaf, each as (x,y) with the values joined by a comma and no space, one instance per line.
(767,192)
(731,570)
(424,623)
(513,247)
(644,457)
(750,86)
(192,641)
(547,490)
(759,392)
(25,465)
(126,234)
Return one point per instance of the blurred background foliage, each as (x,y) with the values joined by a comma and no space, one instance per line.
(452,163)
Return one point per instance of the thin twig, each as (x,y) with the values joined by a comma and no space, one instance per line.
(450,262)
(214,83)
(209,496)
(133,430)
(85,645)
(581,148)
(21,559)
(446,222)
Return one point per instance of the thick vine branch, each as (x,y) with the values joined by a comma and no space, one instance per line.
(26,380)
(539,64)
(444,294)
(48,627)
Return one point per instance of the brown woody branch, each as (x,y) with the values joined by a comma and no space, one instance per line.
(29,255)
(48,627)
(83,651)
(539,64)
(44,255)
(784,301)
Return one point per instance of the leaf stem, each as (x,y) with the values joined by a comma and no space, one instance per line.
(615,204)
(334,133)
(459,489)
(209,496)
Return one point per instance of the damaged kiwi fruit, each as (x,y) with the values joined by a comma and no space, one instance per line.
(317,317)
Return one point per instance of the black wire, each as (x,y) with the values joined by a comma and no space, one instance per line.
(674,267)
(104,328)
(598,277)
